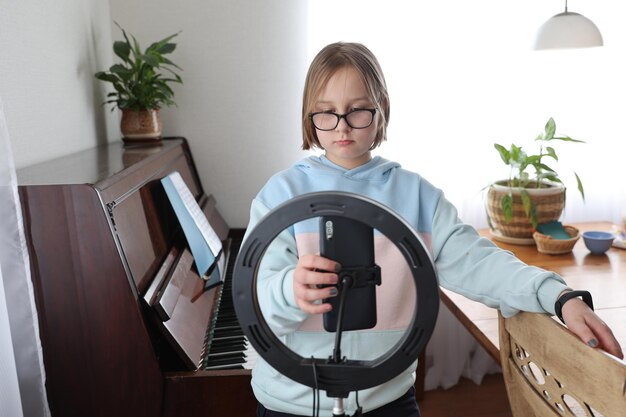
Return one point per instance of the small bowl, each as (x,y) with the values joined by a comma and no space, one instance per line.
(598,242)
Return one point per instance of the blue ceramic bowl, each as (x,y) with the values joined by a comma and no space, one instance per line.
(598,242)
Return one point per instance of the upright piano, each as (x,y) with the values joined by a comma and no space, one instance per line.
(127,326)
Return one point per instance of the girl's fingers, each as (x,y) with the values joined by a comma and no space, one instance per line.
(586,324)
(605,338)
(319,263)
(313,283)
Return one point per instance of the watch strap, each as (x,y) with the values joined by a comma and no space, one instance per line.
(560,302)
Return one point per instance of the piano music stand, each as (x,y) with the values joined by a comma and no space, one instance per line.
(337,379)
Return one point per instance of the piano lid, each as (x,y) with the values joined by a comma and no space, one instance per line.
(92,166)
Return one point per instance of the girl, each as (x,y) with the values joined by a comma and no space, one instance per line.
(345,113)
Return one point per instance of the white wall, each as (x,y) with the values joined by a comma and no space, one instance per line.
(50,51)
(243,64)
(243,69)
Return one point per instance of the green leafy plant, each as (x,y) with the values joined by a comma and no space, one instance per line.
(139,80)
(521,176)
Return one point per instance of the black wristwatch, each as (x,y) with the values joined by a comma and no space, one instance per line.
(586,295)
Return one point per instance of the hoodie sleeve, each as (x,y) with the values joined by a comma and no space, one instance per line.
(476,268)
(275,278)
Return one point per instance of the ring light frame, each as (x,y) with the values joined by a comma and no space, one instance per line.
(338,379)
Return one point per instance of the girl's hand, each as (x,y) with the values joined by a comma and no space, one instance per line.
(586,324)
(311,272)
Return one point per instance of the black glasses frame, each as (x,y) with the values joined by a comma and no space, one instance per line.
(342,116)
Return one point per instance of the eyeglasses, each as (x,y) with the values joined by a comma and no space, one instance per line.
(356,119)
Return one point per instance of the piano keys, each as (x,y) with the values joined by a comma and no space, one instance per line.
(227,347)
(104,246)
(178,296)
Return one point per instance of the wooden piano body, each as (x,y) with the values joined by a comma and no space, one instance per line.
(101,235)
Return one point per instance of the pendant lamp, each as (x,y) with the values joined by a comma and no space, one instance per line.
(568,30)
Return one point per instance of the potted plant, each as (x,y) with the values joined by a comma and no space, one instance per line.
(142,85)
(515,206)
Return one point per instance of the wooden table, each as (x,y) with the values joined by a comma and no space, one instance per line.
(602,275)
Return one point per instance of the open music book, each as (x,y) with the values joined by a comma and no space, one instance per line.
(205,245)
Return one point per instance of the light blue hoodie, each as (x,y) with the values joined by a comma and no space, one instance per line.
(465,263)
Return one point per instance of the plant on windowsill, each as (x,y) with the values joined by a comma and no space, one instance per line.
(515,206)
(142,86)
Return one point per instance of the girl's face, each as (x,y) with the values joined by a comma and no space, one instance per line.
(345,146)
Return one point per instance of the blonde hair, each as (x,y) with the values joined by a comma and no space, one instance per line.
(325,64)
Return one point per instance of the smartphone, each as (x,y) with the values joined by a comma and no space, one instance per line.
(351,243)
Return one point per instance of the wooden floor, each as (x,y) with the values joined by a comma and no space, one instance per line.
(467,399)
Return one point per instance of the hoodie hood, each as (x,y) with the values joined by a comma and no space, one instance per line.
(377,169)
(379,179)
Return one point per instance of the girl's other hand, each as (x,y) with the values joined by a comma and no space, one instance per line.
(310,275)
(590,328)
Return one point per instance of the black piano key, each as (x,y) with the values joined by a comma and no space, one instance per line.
(227,338)
(229,342)
(220,333)
(237,347)
(226,326)
(227,323)
(234,356)
(220,367)
(231,360)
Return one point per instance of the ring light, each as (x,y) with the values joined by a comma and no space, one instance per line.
(349,375)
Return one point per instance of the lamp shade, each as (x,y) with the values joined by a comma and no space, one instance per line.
(568,30)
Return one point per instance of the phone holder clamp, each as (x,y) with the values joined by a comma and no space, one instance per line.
(361,276)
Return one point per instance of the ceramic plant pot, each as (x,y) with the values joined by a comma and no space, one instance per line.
(143,126)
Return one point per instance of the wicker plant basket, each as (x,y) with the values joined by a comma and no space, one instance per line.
(548,245)
(549,203)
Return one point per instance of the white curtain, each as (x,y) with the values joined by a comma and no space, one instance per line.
(10,404)
(462,76)
(22,390)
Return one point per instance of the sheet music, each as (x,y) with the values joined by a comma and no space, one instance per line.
(205,244)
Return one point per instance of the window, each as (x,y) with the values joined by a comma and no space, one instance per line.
(461,76)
